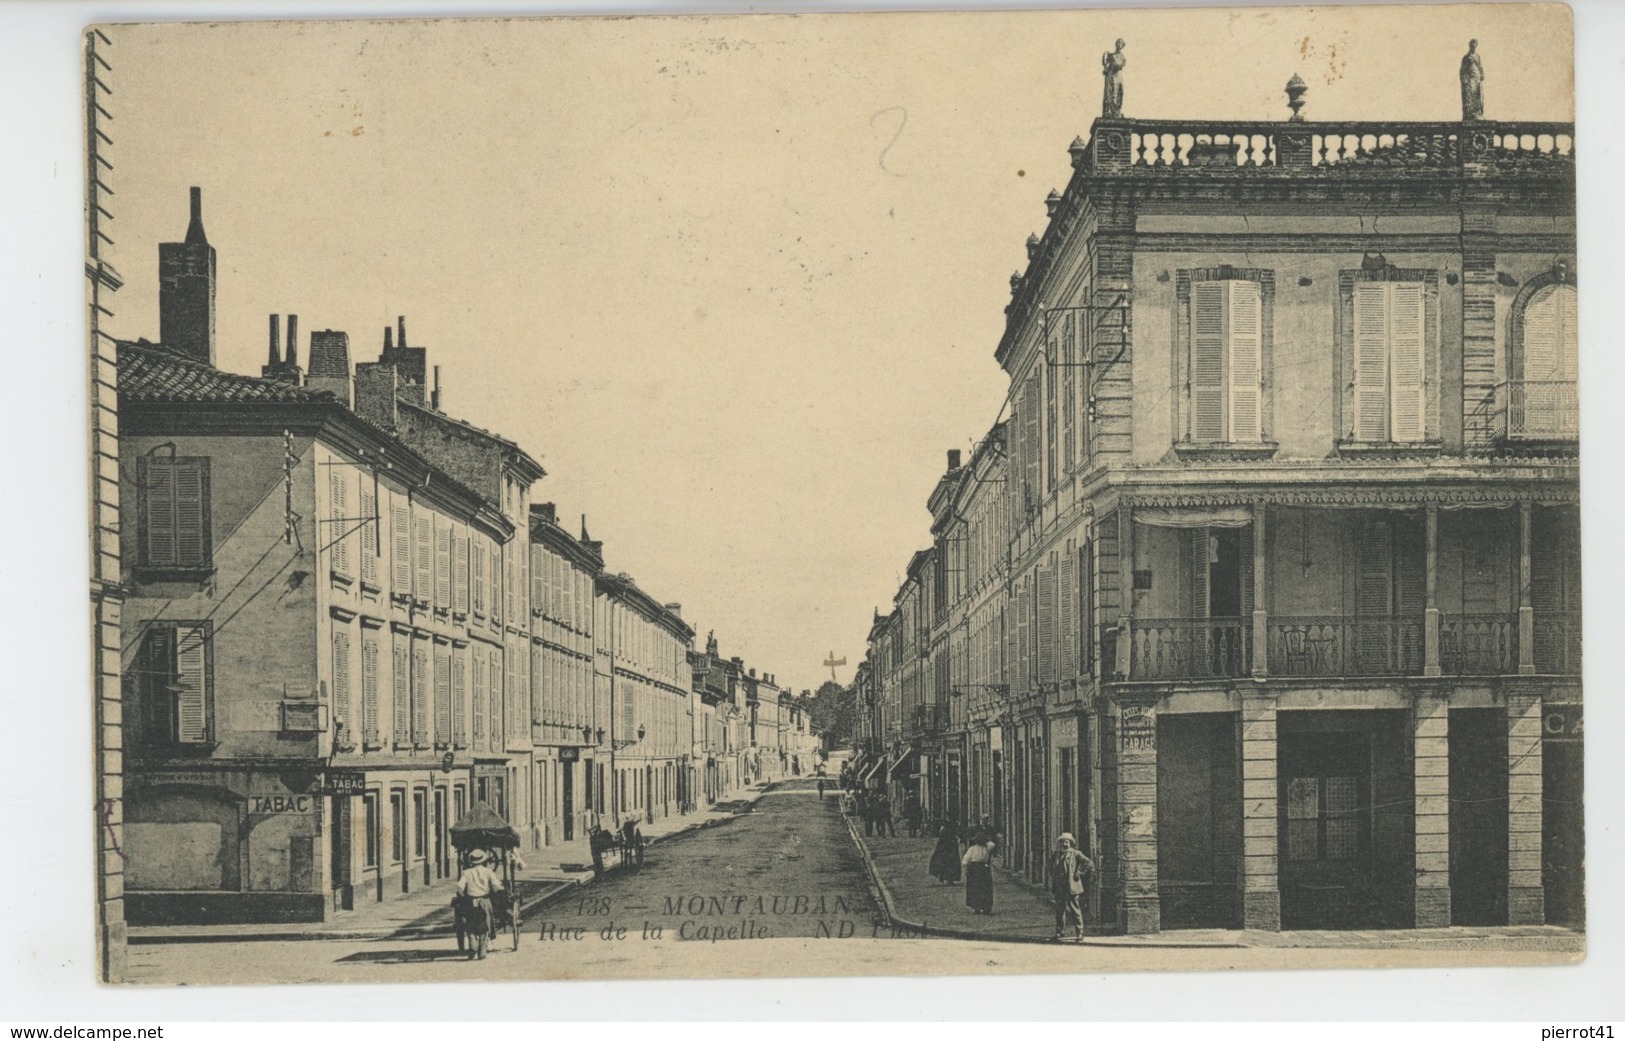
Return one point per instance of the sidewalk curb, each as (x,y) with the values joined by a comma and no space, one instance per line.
(889,909)
(561,887)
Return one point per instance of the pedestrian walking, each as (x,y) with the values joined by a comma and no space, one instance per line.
(866,810)
(476,884)
(944,865)
(978,863)
(820,788)
(1069,875)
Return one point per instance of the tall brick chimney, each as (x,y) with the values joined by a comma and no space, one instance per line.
(186,290)
(953,458)
(284,368)
(330,363)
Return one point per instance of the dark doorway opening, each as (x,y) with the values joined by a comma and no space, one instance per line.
(1478,817)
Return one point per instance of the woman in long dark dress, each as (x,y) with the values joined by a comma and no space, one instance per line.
(945,857)
(978,861)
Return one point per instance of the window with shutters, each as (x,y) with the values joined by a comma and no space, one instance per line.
(339,525)
(494,709)
(1066,629)
(459,578)
(1224,328)
(369,689)
(423,559)
(442,696)
(1031,450)
(1044,612)
(401,684)
(478,565)
(442,568)
(174,673)
(174,514)
(420,693)
(1388,343)
(400,552)
(342,720)
(1543,395)
(369,537)
(477,695)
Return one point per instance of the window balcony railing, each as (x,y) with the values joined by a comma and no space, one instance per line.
(1189,648)
(1478,645)
(930,719)
(1557,642)
(1542,410)
(1341,646)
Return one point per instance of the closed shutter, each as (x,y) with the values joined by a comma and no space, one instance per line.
(339,527)
(1405,354)
(442,695)
(1195,560)
(1069,391)
(192,513)
(1086,609)
(442,568)
(479,578)
(1030,450)
(1067,630)
(1046,624)
(369,536)
(1370,419)
(460,575)
(420,693)
(1540,331)
(402,676)
(341,679)
(477,695)
(423,558)
(1246,365)
(1568,333)
(1024,633)
(191,683)
(459,700)
(1550,357)
(369,688)
(160,506)
(1374,596)
(1207,361)
(493,714)
(400,552)
(1410,593)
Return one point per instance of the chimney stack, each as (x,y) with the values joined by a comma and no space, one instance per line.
(330,364)
(401,335)
(293,341)
(186,290)
(953,458)
(275,359)
(389,342)
(675,609)
(434,399)
(194,227)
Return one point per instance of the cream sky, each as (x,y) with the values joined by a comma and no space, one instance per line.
(736,282)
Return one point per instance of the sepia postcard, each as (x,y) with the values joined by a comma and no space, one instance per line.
(835,494)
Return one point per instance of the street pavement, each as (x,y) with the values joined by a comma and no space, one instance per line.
(780,890)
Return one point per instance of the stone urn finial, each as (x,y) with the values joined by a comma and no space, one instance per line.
(1015,282)
(1296,88)
(1052,202)
(1032,246)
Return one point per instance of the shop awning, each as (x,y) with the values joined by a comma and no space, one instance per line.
(905,765)
(877,764)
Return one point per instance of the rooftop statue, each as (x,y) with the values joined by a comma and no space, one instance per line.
(1472,84)
(1111,64)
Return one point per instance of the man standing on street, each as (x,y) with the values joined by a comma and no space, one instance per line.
(477,883)
(1069,870)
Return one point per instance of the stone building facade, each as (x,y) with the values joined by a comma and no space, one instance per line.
(1284,559)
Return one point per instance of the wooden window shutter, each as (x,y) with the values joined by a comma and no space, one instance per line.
(369,536)
(191,683)
(459,700)
(494,735)
(158,504)
(442,695)
(402,677)
(192,513)
(1408,377)
(1046,624)
(1069,390)
(1540,330)
(479,578)
(459,593)
(1067,629)
(1374,594)
(423,550)
(1031,492)
(1246,360)
(1370,361)
(420,693)
(369,688)
(442,567)
(1568,337)
(400,551)
(477,694)
(339,524)
(1208,391)
(341,680)
(1086,612)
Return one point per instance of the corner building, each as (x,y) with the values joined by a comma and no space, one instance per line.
(1288,537)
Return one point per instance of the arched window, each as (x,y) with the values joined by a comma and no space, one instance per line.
(1544,402)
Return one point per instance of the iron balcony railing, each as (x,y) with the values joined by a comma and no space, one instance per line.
(930,719)
(1541,410)
(1478,644)
(1342,646)
(1557,642)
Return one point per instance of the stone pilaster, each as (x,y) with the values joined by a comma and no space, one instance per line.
(1431,750)
(1260,841)
(1137,816)
(1526,892)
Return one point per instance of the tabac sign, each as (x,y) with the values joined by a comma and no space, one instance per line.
(1562,724)
(275,804)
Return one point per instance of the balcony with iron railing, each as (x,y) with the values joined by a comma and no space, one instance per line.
(1539,410)
(929,719)
(1334,646)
